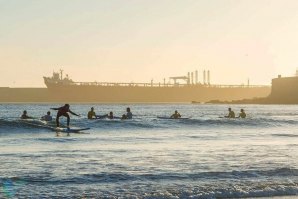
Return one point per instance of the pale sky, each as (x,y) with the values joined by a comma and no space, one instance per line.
(140,40)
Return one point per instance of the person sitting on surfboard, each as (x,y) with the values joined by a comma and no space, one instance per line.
(231,114)
(128,114)
(63,111)
(111,115)
(242,114)
(91,114)
(124,117)
(176,115)
(25,116)
(47,117)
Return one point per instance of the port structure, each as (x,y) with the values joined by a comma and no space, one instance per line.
(191,78)
(185,78)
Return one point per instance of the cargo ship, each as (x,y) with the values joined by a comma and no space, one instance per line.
(63,88)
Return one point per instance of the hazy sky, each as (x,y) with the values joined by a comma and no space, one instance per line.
(140,40)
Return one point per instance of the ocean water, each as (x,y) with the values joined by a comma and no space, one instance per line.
(202,157)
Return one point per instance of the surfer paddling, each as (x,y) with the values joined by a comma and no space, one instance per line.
(63,111)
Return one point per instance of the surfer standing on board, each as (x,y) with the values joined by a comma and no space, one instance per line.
(63,111)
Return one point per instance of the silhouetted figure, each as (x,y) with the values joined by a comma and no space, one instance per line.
(128,114)
(25,116)
(91,114)
(47,117)
(124,117)
(63,111)
(111,115)
(231,114)
(176,115)
(242,114)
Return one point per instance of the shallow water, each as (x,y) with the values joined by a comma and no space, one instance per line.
(203,157)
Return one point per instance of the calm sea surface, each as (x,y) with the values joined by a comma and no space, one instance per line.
(201,157)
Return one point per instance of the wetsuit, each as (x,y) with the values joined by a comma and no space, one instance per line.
(176,115)
(47,118)
(24,117)
(91,114)
(242,115)
(231,114)
(129,115)
(63,111)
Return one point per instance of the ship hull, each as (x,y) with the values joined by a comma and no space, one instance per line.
(114,94)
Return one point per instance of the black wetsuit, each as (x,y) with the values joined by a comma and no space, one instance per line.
(176,116)
(63,111)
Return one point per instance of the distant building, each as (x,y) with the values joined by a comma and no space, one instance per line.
(284,90)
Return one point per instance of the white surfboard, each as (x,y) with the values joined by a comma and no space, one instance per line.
(70,130)
(169,118)
(58,129)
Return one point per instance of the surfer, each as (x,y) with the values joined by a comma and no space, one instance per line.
(91,114)
(124,117)
(25,116)
(231,114)
(47,117)
(242,114)
(176,115)
(129,113)
(111,115)
(63,111)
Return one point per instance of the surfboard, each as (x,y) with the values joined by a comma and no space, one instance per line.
(37,123)
(71,130)
(59,129)
(169,118)
(106,118)
(101,116)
